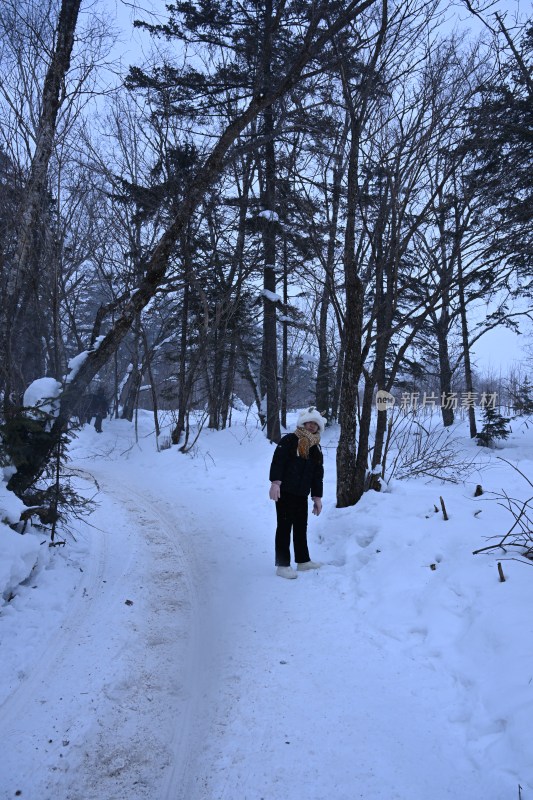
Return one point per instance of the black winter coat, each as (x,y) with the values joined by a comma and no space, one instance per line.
(297,475)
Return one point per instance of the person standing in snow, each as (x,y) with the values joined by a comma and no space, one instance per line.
(297,469)
(97,407)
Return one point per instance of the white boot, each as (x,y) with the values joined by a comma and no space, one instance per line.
(304,566)
(286,572)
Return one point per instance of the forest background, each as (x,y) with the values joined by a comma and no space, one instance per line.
(283,203)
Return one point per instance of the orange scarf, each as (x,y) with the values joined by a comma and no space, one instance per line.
(306,439)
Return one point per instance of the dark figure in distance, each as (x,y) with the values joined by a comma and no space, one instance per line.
(97,407)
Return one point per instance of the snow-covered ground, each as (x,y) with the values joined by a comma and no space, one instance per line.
(156,655)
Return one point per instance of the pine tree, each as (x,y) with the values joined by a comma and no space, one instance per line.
(500,136)
(494,427)
(523,398)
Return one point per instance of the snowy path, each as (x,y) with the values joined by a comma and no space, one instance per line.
(108,705)
(310,704)
(373,678)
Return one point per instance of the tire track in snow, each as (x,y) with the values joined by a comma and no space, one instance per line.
(160,528)
(132,737)
(184,743)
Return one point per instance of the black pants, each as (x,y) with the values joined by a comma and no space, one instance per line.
(97,422)
(291,511)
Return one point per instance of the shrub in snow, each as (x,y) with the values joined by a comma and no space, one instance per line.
(25,443)
(424,449)
(23,438)
(519,537)
(523,398)
(494,428)
(25,434)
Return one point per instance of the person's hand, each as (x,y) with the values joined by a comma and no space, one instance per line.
(317,505)
(275,491)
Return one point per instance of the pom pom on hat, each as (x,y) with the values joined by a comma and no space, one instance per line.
(311,415)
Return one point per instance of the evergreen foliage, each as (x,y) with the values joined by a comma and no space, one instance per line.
(24,437)
(494,427)
(501,133)
(523,398)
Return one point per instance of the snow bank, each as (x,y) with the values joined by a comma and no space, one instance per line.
(11,507)
(405,650)
(43,394)
(18,553)
(19,556)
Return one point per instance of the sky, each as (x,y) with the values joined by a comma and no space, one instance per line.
(501,349)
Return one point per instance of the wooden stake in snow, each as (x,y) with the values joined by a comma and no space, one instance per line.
(500,572)
(444,512)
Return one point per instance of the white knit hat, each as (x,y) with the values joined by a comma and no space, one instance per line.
(311,415)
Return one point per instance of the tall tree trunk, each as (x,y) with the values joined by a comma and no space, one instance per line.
(182,402)
(269,365)
(285,344)
(323,390)
(214,379)
(131,390)
(443,321)
(379,380)
(56,349)
(350,466)
(269,371)
(361,466)
(229,382)
(248,374)
(469,382)
(352,336)
(335,400)
(387,260)
(148,361)
(323,374)
(445,371)
(30,236)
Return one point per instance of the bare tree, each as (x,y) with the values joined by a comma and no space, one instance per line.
(324,23)
(45,87)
